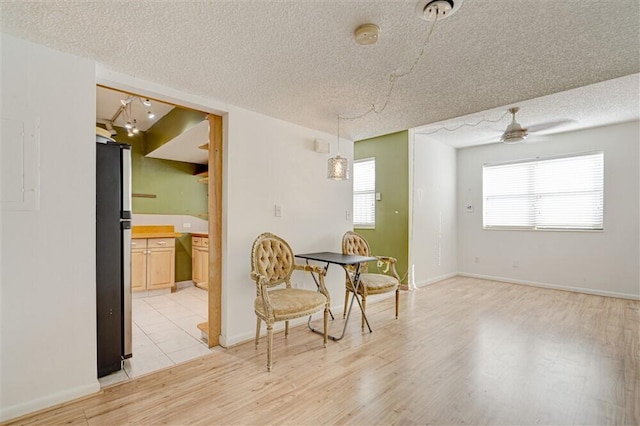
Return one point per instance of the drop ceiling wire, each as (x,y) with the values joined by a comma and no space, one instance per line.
(392,79)
(465,124)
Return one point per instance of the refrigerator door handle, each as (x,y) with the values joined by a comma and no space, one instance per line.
(126,291)
(126,183)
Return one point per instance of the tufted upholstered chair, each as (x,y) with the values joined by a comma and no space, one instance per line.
(370,283)
(272,264)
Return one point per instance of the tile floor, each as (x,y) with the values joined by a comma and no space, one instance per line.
(165,332)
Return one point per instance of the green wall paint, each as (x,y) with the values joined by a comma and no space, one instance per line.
(176,122)
(176,188)
(391,234)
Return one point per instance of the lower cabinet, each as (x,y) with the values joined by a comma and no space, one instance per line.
(153,263)
(200,261)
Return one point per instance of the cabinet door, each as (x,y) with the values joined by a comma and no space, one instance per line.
(204,261)
(160,268)
(196,265)
(138,269)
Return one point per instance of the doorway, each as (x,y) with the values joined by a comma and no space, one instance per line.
(172,148)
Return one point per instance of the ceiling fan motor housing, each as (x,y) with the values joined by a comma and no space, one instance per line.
(514,132)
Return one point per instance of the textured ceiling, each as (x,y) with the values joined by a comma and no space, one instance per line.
(297,60)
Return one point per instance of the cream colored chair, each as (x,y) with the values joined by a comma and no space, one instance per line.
(370,283)
(272,264)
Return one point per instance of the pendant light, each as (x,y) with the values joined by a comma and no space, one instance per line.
(338,167)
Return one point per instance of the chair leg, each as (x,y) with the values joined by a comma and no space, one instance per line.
(346,303)
(326,325)
(364,308)
(286,328)
(269,344)
(257,332)
(397,300)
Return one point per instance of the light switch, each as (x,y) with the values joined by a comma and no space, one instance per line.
(278,210)
(378,196)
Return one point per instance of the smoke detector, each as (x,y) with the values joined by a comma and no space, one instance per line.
(430,10)
(367,34)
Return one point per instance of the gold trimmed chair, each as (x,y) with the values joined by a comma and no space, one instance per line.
(370,283)
(272,264)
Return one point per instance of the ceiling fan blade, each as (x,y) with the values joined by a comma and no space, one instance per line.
(548,126)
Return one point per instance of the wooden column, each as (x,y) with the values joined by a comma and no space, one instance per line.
(215,229)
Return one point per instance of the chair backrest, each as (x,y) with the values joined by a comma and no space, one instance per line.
(273,258)
(353,243)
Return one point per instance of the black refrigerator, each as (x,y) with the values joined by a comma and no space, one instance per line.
(113,254)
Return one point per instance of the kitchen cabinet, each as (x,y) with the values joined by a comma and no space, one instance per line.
(153,263)
(200,261)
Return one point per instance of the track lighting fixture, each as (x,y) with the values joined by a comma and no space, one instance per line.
(126,111)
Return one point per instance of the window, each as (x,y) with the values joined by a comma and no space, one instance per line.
(555,193)
(364,193)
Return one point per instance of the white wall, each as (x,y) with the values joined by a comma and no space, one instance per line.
(273,162)
(433,229)
(48,306)
(595,262)
(48,314)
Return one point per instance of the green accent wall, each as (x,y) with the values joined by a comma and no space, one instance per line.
(176,189)
(391,234)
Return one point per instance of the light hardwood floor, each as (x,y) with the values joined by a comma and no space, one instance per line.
(464,351)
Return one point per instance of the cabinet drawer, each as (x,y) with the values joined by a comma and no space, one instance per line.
(200,242)
(138,243)
(161,242)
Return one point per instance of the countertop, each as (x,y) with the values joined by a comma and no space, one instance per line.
(200,234)
(154,231)
(156,235)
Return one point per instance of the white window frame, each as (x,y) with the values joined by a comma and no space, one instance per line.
(533,197)
(368,193)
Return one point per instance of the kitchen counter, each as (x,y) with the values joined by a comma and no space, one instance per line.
(154,231)
(156,235)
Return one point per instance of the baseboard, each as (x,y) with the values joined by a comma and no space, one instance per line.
(553,286)
(49,401)
(424,283)
(184,284)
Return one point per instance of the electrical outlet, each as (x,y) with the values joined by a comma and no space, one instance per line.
(186,225)
(516,264)
(477,259)
(348,215)
(278,210)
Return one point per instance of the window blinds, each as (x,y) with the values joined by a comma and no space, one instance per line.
(364,193)
(556,193)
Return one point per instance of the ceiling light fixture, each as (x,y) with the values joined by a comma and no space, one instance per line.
(431,10)
(338,167)
(126,111)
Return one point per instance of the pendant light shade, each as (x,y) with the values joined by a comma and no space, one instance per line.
(338,168)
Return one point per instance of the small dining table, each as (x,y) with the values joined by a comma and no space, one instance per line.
(343,260)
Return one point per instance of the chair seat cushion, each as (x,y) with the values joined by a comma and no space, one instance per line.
(378,283)
(288,303)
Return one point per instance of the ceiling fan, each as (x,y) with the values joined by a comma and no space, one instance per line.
(515,133)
